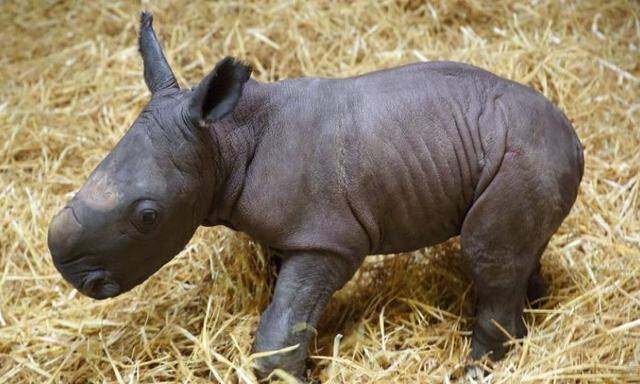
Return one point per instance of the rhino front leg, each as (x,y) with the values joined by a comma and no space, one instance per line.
(305,284)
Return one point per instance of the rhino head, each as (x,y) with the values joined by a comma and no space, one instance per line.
(144,201)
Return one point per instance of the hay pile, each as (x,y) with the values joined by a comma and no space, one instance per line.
(71,83)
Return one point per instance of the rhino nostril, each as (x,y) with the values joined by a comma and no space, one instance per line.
(98,285)
(91,283)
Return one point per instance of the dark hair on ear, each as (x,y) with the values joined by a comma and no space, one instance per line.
(229,78)
(239,68)
(219,92)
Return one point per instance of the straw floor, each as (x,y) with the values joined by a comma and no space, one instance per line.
(71,83)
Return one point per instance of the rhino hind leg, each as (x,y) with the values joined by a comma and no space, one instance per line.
(503,236)
(536,288)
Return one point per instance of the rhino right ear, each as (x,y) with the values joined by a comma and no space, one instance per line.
(219,92)
(157,73)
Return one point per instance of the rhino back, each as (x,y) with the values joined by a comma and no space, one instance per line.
(429,140)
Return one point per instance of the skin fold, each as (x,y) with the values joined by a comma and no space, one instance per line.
(325,172)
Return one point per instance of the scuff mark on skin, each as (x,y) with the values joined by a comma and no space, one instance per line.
(101,193)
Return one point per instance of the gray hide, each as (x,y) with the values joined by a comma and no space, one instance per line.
(325,172)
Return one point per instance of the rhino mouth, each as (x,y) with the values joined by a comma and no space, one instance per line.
(94,281)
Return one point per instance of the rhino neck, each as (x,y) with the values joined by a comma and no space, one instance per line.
(234,142)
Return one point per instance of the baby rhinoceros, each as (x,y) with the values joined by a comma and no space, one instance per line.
(325,172)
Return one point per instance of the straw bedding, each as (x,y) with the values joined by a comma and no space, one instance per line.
(71,83)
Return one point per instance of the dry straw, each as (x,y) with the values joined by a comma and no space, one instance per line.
(71,83)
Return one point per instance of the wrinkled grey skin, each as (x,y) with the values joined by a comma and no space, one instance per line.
(325,172)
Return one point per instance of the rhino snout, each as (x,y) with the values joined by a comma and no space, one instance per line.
(64,233)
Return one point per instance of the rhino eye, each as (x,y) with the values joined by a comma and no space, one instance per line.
(145,216)
(149,216)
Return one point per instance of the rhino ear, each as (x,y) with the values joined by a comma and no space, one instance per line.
(219,92)
(157,73)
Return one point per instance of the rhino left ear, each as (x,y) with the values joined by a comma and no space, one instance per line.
(219,92)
